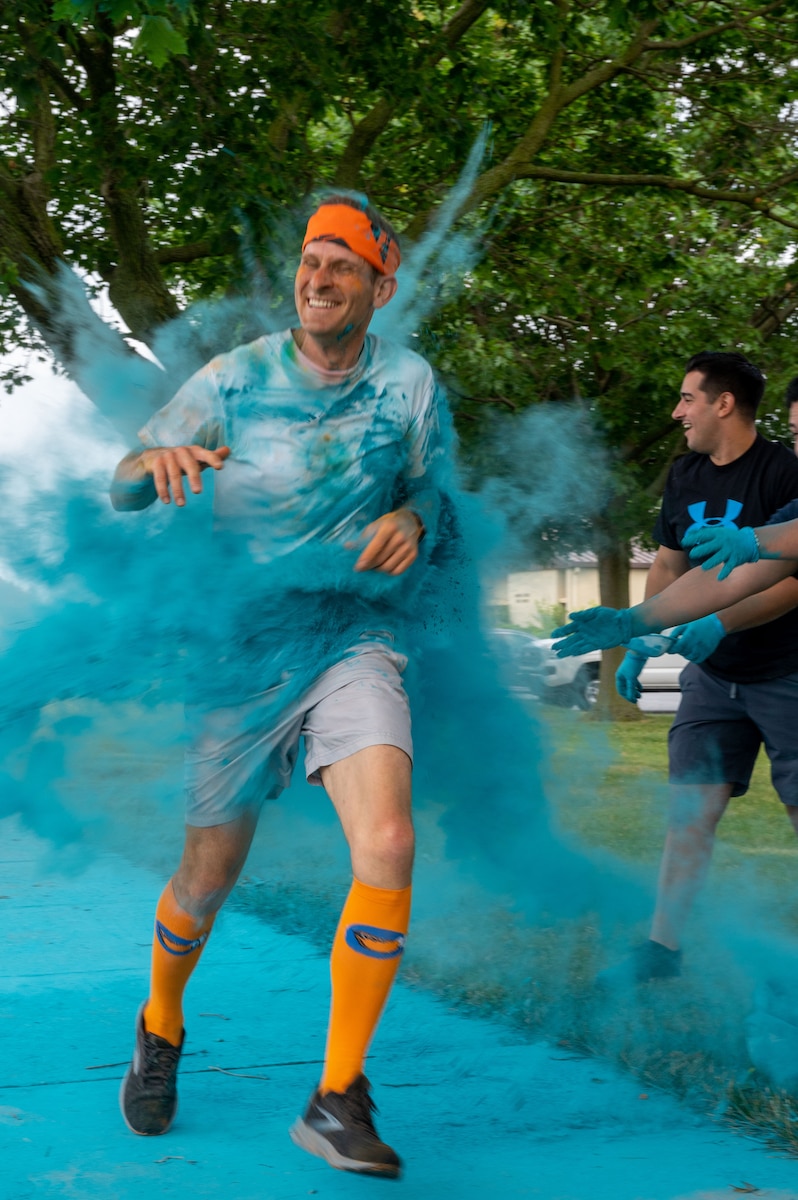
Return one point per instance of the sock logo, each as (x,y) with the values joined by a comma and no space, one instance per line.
(374,942)
(178,946)
(701,521)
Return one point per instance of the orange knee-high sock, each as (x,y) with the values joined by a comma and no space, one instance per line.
(176,947)
(365,956)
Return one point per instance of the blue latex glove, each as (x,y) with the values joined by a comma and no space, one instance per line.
(593,629)
(712,545)
(651,645)
(698,639)
(627,681)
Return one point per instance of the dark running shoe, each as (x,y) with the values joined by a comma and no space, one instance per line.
(148,1096)
(339,1128)
(647,962)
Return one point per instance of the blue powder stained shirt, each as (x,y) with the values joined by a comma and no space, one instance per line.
(313,454)
(315,457)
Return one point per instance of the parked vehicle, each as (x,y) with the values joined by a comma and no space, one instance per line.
(531,668)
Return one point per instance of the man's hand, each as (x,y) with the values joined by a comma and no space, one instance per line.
(696,640)
(716,544)
(627,677)
(393,542)
(168,465)
(593,629)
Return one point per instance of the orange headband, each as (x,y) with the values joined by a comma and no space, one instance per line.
(353,229)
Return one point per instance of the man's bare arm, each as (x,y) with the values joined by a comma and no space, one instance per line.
(668,566)
(760,609)
(699,593)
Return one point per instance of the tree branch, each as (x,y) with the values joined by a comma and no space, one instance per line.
(515,165)
(751,198)
(47,67)
(701,35)
(191,252)
(368,130)
(136,286)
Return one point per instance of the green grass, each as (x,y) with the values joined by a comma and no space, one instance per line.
(625,809)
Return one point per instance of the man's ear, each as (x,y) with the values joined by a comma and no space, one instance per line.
(384,290)
(725,404)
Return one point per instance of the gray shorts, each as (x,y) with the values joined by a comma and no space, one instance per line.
(242,754)
(720,726)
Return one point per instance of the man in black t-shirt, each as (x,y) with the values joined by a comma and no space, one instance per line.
(745,690)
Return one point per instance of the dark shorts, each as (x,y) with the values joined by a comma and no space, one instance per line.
(720,726)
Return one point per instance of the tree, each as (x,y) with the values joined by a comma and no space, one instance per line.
(146,140)
(162,148)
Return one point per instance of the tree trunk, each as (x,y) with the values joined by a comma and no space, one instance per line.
(614,592)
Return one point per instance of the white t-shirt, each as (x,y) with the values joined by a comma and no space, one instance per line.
(315,455)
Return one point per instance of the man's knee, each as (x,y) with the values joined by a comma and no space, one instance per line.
(204,892)
(697,808)
(391,841)
(211,863)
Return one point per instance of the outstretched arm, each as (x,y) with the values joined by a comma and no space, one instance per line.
(696,594)
(699,593)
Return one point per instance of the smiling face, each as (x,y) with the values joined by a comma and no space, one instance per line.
(336,292)
(699,414)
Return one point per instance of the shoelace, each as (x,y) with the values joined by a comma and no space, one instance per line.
(361,1106)
(159,1063)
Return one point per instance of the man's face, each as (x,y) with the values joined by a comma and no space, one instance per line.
(336,291)
(794,425)
(698,414)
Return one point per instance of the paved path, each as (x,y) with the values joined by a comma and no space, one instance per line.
(475,1111)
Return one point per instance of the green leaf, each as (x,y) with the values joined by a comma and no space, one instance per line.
(120,10)
(158,40)
(73,10)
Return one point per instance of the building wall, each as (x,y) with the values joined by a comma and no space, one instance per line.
(530,595)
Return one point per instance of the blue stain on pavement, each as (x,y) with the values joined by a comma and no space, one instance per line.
(474,1109)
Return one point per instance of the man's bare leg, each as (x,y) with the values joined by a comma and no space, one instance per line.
(213,858)
(693,818)
(370,791)
(211,863)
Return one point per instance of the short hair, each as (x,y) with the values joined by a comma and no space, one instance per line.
(791,394)
(728,371)
(362,204)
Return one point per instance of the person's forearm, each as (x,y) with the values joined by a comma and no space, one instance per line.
(779,541)
(132,488)
(699,593)
(760,609)
(662,574)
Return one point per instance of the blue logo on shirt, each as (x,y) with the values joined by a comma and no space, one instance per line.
(701,521)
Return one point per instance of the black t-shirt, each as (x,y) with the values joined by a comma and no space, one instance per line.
(747,491)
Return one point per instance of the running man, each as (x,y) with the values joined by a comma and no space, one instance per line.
(330,448)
